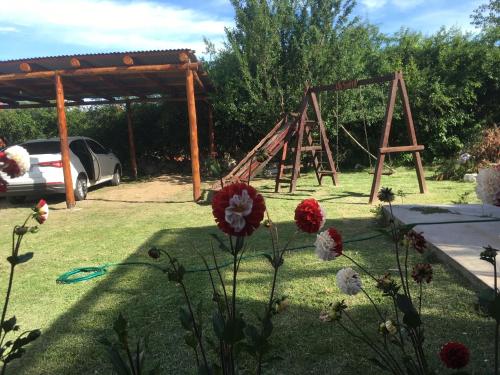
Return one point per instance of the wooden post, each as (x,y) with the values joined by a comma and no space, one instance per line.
(211,133)
(300,137)
(384,139)
(325,144)
(193,135)
(131,142)
(63,136)
(411,133)
(281,167)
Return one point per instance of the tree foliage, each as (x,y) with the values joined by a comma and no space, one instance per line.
(276,48)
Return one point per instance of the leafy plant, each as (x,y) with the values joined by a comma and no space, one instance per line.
(398,348)
(15,347)
(238,210)
(133,360)
(489,300)
(463,198)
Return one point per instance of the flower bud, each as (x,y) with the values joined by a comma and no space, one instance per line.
(154,253)
(20,231)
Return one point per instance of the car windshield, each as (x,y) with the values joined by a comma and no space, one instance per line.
(43,147)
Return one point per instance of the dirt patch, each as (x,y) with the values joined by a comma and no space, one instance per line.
(159,189)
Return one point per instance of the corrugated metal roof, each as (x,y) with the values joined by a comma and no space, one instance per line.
(32,59)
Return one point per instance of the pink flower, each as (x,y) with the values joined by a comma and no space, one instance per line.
(41,211)
(310,216)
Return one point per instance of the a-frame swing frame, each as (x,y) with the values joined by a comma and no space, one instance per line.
(303,130)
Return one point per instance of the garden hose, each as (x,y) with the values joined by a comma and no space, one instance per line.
(71,277)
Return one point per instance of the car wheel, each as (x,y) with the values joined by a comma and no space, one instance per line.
(81,188)
(18,199)
(116,177)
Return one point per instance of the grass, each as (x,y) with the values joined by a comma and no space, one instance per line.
(73,317)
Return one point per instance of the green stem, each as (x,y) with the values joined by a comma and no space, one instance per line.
(374,305)
(361,267)
(396,245)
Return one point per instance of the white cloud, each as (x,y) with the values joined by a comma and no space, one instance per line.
(406,4)
(110,24)
(8,29)
(373,4)
(432,21)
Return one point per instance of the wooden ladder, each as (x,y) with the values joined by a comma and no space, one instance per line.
(304,141)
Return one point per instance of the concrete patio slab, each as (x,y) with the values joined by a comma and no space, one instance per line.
(460,244)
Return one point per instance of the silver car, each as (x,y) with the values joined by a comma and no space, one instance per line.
(91,164)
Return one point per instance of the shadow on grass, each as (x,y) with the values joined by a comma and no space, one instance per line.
(150,303)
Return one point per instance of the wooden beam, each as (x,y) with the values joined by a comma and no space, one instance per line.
(411,133)
(128,60)
(353,83)
(25,67)
(63,135)
(183,57)
(74,62)
(384,140)
(198,81)
(111,70)
(15,105)
(193,135)
(389,150)
(131,142)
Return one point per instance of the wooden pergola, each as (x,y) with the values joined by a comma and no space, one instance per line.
(109,78)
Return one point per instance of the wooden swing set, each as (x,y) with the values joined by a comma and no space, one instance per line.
(306,127)
(299,133)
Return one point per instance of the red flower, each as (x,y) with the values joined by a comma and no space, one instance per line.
(309,216)
(422,272)
(454,355)
(417,241)
(238,209)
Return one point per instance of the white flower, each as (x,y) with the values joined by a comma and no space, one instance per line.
(239,207)
(15,161)
(391,327)
(464,158)
(470,177)
(488,184)
(326,247)
(348,281)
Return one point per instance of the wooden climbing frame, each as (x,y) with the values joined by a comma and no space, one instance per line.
(302,137)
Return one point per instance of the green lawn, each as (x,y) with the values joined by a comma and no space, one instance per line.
(73,317)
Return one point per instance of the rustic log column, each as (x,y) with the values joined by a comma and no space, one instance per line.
(193,135)
(211,133)
(131,142)
(63,136)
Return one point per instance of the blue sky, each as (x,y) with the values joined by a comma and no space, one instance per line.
(32,28)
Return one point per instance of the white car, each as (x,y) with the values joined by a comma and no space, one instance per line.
(91,164)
